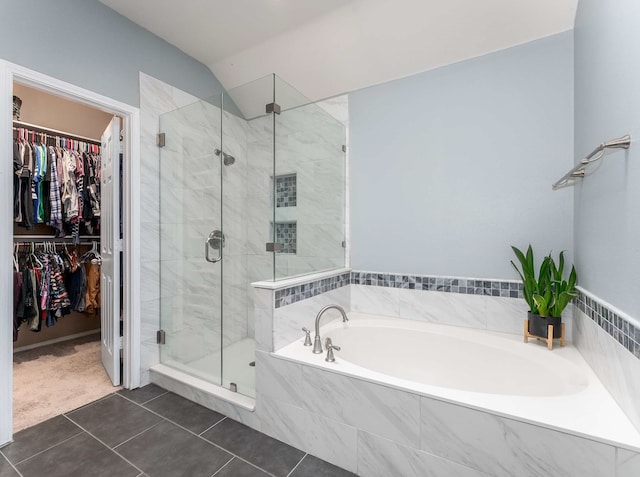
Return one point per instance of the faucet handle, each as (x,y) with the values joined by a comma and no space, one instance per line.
(330,347)
(307,338)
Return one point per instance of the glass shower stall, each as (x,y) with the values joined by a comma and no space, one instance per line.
(252,188)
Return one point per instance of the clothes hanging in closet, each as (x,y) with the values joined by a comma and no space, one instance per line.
(55,185)
(17,292)
(49,285)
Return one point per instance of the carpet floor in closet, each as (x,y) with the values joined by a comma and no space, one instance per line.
(57,378)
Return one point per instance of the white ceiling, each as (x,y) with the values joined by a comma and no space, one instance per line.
(328,47)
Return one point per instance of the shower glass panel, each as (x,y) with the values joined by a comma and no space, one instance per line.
(190,211)
(265,167)
(247,136)
(310,175)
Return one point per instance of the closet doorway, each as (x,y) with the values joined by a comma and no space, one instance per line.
(64,289)
(80,259)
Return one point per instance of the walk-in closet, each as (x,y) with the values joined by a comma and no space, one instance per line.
(59,213)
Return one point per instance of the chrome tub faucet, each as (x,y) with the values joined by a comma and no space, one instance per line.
(317,343)
(330,347)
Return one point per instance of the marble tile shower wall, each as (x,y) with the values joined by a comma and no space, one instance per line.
(238,321)
(309,144)
(156,98)
(189,198)
(259,213)
(190,209)
(175,223)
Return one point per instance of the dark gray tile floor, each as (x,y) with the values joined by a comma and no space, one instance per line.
(155,433)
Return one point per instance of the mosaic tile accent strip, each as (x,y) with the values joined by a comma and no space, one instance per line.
(286,190)
(288,296)
(467,286)
(624,332)
(287,235)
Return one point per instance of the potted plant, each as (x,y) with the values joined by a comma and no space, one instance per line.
(548,294)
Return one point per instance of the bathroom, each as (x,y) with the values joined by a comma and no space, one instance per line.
(445,168)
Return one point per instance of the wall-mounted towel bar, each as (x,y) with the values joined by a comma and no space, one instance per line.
(579,170)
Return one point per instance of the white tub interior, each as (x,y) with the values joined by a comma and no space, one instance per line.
(480,369)
(435,357)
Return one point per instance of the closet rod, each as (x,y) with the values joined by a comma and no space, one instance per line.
(54,132)
(52,238)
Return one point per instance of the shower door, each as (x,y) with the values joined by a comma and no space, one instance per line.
(192,241)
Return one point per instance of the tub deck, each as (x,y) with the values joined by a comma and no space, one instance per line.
(571,400)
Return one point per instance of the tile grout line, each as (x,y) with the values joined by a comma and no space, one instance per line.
(107,396)
(208,441)
(133,437)
(211,427)
(141,404)
(108,448)
(10,463)
(296,466)
(220,469)
(153,398)
(202,438)
(48,448)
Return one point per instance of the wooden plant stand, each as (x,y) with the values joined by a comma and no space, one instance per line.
(549,338)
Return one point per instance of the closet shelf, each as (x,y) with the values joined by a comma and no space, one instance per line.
(598,153)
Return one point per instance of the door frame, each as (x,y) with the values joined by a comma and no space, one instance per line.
(9,73)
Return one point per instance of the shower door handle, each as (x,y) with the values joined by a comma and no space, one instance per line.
(215,240)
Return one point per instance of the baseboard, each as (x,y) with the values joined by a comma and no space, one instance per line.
(56,340)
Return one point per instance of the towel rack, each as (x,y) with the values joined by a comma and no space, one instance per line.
(598,153)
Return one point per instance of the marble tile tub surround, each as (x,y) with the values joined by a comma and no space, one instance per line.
(496,305)
(394,432)
(605,345)
(612,321)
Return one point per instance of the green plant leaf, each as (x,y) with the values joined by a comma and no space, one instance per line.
(560,269)
(527,275)
(541,304)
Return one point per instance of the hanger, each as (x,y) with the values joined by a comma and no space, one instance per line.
(15,257)
(92,255)
(34,260)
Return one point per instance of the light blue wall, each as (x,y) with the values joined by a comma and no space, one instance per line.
(607,95)
(451,166)
(85,43)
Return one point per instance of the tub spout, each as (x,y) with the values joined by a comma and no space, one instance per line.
(317,343)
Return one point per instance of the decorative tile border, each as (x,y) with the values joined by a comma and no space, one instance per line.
(288,296)
(624,332)
(467,286)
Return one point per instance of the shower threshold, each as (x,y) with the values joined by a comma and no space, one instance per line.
(235,368)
